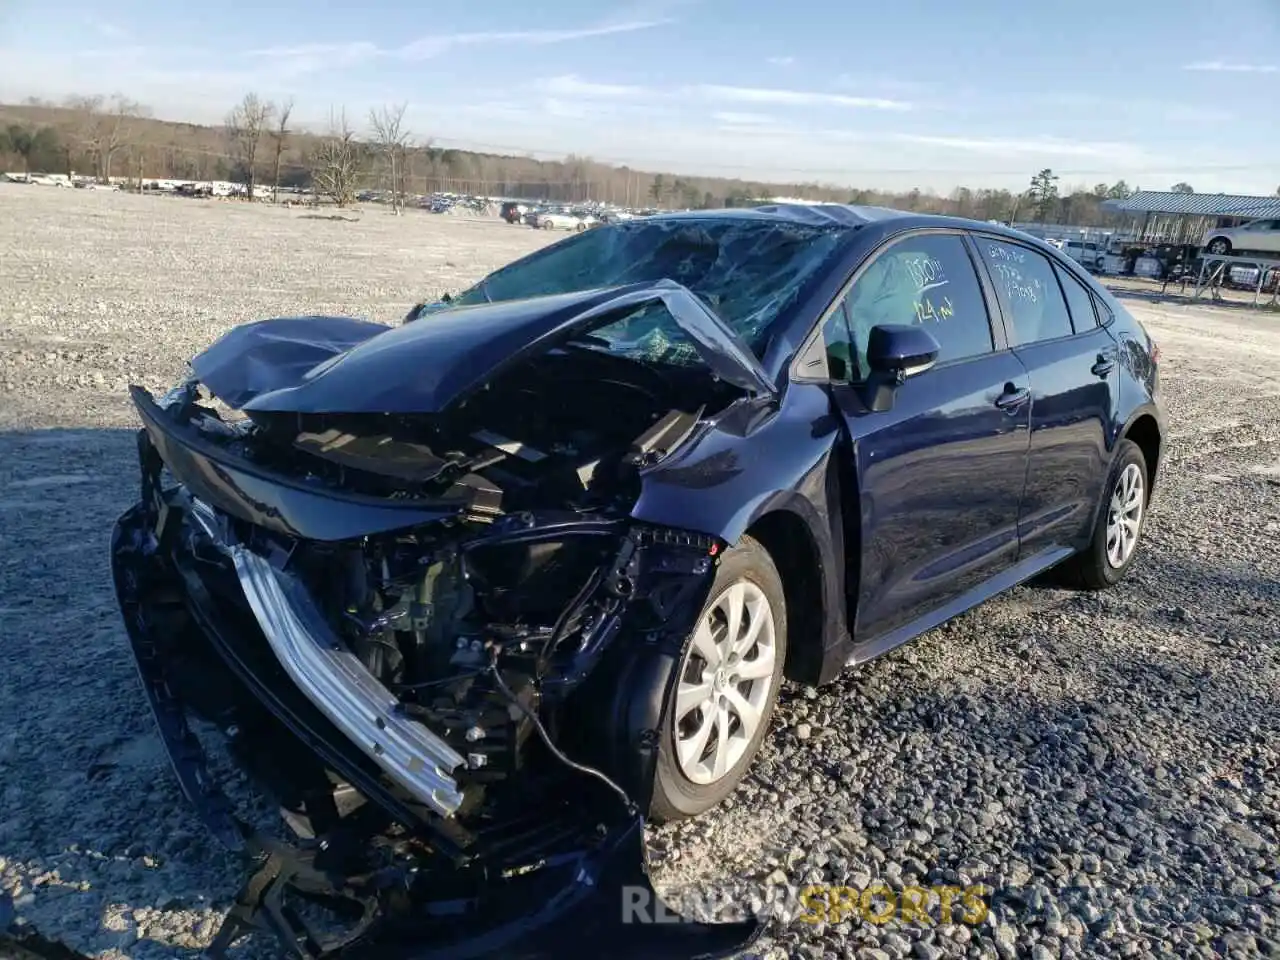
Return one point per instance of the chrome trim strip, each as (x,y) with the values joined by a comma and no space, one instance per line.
(342,689)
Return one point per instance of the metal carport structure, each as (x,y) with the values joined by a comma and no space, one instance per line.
(1160,217)
(1183,219)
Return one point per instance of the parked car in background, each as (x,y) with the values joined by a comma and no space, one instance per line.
(474,596)
(1084,252)
(564,220)
(1258,236)
(513,212)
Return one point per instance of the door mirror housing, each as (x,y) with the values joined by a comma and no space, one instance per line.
(901,350)
(895,352)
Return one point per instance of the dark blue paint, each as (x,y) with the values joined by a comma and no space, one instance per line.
(340,365)
(273,501)
(1072,409)
(982,473)
(940,476)
(952,498)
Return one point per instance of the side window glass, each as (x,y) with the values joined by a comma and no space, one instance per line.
(928,280)
(1031,293)
(1079,301)
(842,353)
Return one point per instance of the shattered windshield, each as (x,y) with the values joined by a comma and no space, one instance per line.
(746,270)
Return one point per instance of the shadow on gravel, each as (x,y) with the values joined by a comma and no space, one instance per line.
(95,839)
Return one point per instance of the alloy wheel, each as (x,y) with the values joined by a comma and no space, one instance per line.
(1124,516)
(726,680)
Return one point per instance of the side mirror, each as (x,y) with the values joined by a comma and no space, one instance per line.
(895,352)
(901,350)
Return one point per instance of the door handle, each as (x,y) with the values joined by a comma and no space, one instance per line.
(1103,365)
(1012,398)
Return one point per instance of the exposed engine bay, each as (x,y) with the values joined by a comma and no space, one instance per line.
(530,443)
(409,630)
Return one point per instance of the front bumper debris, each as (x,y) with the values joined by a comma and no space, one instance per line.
(431,894)
(366,712)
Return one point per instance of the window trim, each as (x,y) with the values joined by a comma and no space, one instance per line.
(796,370)
(1093,301)
(1007,309)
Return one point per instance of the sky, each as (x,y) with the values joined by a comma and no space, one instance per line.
(890,94)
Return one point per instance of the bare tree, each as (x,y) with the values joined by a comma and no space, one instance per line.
(103,126)
(280,134)
(392,142)
(335,163)
(245,125)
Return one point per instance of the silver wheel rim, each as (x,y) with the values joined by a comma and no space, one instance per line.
(726,680)
(1124,516)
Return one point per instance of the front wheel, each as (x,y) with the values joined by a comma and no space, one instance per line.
(1220,246)
(722,695)
(1121,521)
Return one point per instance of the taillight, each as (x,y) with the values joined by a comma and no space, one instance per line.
(1155,352)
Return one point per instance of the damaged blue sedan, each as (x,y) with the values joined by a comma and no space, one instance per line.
(475,596)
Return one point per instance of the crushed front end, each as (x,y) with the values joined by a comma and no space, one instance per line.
(424,641)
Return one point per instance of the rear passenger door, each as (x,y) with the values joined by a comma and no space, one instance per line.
(1072,364)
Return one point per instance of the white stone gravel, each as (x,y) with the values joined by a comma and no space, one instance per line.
(1124,745)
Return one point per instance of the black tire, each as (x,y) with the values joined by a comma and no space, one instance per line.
(1219,246)
(1091,568)
(675,796)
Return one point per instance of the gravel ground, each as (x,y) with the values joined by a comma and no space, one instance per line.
(1110,764)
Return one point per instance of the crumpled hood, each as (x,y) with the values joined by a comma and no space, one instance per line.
(343,365)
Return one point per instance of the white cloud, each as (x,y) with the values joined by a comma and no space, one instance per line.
(571,85)
(341,51)
(735,119)
(780,61)
(564,109)
(300,58)
(1036,146)
(797,98)
(432,46)
(110,31)
(1220,66)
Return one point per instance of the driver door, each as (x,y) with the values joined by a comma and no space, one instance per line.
(941,474)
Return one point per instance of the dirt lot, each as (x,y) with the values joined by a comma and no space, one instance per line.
(1113,761)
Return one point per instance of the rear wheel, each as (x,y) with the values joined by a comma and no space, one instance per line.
(722,695)
(1120,524)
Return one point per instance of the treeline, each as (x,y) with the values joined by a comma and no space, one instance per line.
(114,137)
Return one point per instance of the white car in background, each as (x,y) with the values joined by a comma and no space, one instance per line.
(564,221)
(1257,236)
(1084,252)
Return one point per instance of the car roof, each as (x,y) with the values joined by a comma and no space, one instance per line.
(811,214)
(850,216)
